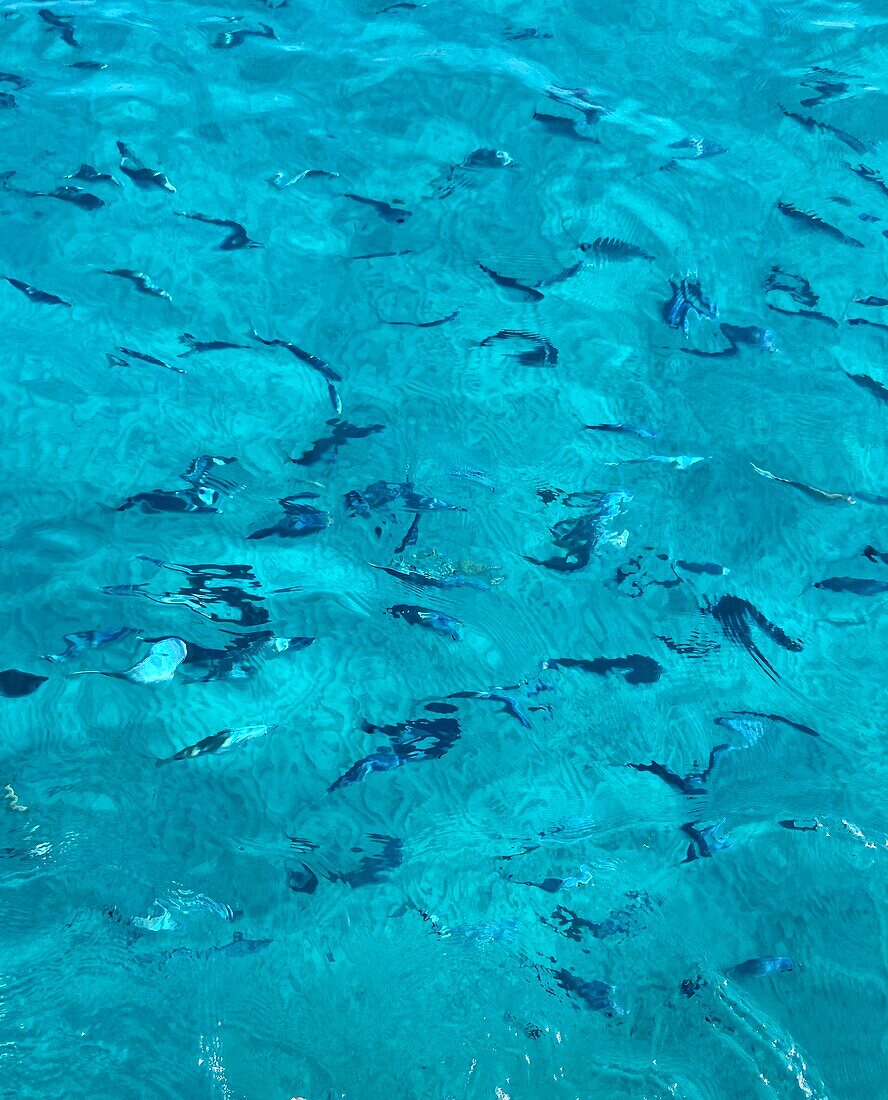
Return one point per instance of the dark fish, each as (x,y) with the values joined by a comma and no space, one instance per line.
(202,471)
(871,300)
(382,255)
(41,297)
(140,281)
(320,365)
(571,925)
(595,994)
(75,195)
(739,336)
(88,639)
(383,760)
(14,683)
(576,559)
(635,668)
(823,81)
(705,841)
(196,346)
(875,555)
(871,176)
(547,885)
(460,174)
(240,946)
(581,536)
(199,500)
(542,354)
(466,473)
(523,292)
(574,128)
(421,579)
(712,569)
(437,621)
(299,519)
(858,586)
(749,336)
(386,210)
(427,324)
(251,648)
(7,101)
(381,494)
(699,147)
(563,275)
(371,869)
(95,66)
(694,783)
(791,823)
(237,236)
(771,718)
(680,462)
(808,490)
(735,616)
(302,879)
(870,498)
(612,248)
(864,321)
(687,297)
(813,221)
(511,706)
(690,986)
(764,964)
(623,429)
(342,432)
(486,158)
(244,656)
(411,741)
(227,40)
(640,574)
(131,353)
(608,504)
(518,35)
(18,82)
(870,385)
(222,741)
(127,590)
(141,176)
(88,174)
(278,181)
(64,24)
(810,123)
(578,99)
(811,314)
(410,535)
(796,286)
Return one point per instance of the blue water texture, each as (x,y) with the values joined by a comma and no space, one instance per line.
(444,550)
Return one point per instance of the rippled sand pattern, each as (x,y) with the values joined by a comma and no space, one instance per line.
(455,435)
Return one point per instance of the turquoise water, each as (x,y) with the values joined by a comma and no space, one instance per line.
(371,888)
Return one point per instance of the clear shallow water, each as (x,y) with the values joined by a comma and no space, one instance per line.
(386,939)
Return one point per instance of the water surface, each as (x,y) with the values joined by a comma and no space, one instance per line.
(498,905)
